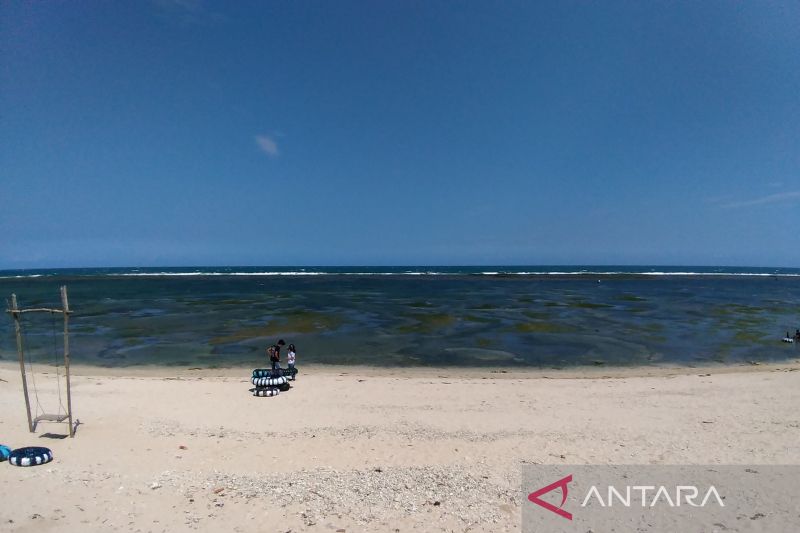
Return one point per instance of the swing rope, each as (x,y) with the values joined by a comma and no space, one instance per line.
(39,409)
(24,340)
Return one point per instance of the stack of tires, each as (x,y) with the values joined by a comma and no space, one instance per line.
(268,382)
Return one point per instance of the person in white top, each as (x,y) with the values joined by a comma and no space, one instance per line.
(291,357)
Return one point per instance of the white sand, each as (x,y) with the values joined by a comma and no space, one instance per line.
(368,449)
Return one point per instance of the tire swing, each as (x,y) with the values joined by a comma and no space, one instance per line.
(30,456)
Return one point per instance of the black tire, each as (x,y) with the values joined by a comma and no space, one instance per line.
(30,456)
(266,392)
(268,382)
(267,373)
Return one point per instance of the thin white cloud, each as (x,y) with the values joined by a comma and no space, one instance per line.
(267,145)
(191,5)
(771,199)
(187,11)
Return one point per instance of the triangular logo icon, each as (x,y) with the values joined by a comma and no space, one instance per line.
(562,484)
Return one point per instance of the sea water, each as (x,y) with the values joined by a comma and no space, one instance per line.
(411,316)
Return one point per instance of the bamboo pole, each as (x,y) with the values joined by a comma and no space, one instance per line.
(21,354)
(65,305)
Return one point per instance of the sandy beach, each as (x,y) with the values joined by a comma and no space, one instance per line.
(369,449)
(537,264)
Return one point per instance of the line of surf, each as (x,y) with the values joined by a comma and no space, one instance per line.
(500,273)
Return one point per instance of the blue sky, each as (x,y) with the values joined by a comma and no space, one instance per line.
(286,133)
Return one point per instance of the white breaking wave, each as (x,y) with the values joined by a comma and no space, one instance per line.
(461,273)
(297,273)
(198,273)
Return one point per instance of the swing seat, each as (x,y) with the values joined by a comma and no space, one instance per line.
(50,418)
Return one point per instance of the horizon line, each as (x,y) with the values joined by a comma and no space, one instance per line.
(409,265)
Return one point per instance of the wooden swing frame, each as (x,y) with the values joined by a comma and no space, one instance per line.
(65,311)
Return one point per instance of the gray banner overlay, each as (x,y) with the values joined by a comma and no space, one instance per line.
(660,498)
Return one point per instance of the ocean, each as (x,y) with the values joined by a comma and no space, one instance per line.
(499,316)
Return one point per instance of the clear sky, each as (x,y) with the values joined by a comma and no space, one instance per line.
(187,132)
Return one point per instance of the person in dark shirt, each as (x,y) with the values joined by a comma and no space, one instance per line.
(274,352)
